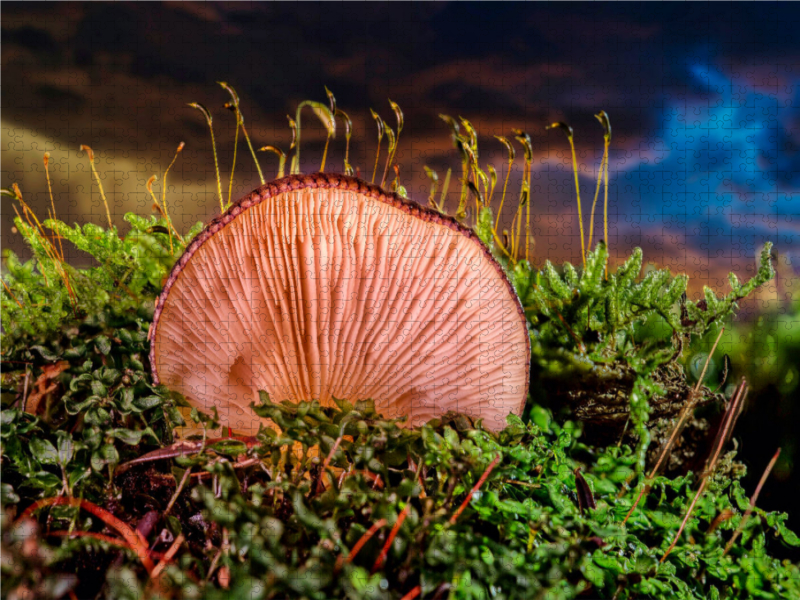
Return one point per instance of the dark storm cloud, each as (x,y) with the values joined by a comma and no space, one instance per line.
(118,76)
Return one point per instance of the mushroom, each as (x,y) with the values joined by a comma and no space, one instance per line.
(323,287)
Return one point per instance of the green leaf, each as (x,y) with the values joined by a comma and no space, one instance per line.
(44,451)
(127,436)
(66,447)
(103,344)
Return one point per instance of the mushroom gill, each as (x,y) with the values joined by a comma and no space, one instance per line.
(322,287)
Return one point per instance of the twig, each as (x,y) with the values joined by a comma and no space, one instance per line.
(727,426)
(753,500)
(178,490)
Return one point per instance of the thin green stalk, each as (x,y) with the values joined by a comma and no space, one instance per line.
(328,121)
(324,154)
(578,194)
(570,137)
(233,166)
(445,189)
(170,227)
(511,157)
(90,152)
(600,173)
(605,211)
(392,144)
(281,157)
(207,115)
(234,104)
(606,123)
(348,132)
(394,141)
(492,184)
(253,153)
(525,196)
(434,177)
(381,128)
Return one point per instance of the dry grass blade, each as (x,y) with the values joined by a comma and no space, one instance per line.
(178,490)
(722,437)
(676,431)
(726,428)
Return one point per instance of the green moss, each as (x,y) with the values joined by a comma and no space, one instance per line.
(455,511)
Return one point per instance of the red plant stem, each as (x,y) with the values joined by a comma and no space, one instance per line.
(685,519)
(325,464)
(415,591)
(361,542)
(475,488)
(753,500)
(376,479)
(385,550)
(167,557)
(134,540)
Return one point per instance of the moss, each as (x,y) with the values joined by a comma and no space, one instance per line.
(344,503)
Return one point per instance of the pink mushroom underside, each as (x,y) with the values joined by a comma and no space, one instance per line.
(320,293)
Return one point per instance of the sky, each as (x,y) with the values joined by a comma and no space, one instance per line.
(702,97)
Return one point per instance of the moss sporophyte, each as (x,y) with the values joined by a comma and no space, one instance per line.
(289,442)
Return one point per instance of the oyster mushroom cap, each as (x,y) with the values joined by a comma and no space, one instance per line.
(323,287)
